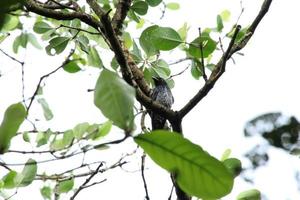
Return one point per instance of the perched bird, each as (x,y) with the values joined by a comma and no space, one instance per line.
(162,94)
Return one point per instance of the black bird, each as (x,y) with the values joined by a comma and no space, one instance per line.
(162,94)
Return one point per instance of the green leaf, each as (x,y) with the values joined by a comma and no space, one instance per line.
(46,192)
(161,68)
(71,67)
(165,38)
(220,25)
(226,154)
(17,44)
(127,39)
(46,110)
(233,165)
(32,40)
(195,69)
(146,41)
(136,53)
(140,7)
(14,116)
(225,14)
(94,59)
(65,186)
(173,6)
(156,38)
(197,173)
(83,43)
(28,174)
(183,31)
(209,46)
(115,98)
(41,27)
(252,194)
(10,23)
(24,40)
(80,129)
(59,144)
(9,180)
(26,137)
(42,138)
(6,6)
(153,3)
(103,130)
(58,44)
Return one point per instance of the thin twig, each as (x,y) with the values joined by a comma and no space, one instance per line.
(78,29)
(179,72)
(202,57)
(11,57)
(86,181)
(47,75)
(143,176)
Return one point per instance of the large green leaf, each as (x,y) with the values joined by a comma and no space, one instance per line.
(115,98)
(156,38)
(10,180)
(146,41)
(197,173)
(28,174)
(13,118)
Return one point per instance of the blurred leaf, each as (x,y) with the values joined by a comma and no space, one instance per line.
(173,6)
(195,69)
(26,137)
(41,27)
(46,192)
(253,194)
(127,39)
(58,44)
(24,40)
(197,173)
(146,41)
(14,116)
(233,165)
(83,43)
(225,15)
(59,144)
(220,25)
(46,110)
(71,67)
(10,23)
(153,3)
(10,5)
(80,129)
(140,24)
(136,53)
(28,174)
(94,59)
(183,31)
(42,138)
(9,180)
(140,7)
(115,98)
(32,40)
(226,154)
(65,186)
(103,130)
(133,16)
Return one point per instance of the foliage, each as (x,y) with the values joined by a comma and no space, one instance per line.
(92,31)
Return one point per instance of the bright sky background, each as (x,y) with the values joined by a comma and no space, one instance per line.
(265,79)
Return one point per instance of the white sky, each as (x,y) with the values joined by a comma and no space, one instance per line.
(265,79)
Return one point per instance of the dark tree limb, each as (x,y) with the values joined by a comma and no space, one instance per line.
(120,14)
(32,6)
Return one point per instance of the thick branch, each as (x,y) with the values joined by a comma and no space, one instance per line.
(220,66)
(120,14)
(32,6)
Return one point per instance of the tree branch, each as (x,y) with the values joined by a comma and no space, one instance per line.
(32,6)
(120,14)
(220,66)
